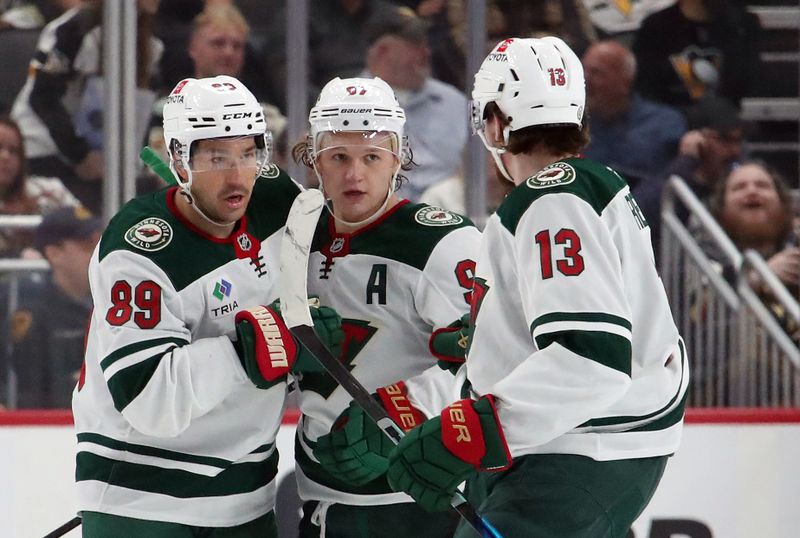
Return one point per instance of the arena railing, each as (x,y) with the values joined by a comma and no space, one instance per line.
(740,352)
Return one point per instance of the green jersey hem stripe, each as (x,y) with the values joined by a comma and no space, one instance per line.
(236,479)
(130,349)
(144,450)
(127,384)
(604,348)
(597,317)
(667,420)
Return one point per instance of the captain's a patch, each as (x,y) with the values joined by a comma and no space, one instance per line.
(150,234)
(552,176)
(436,216)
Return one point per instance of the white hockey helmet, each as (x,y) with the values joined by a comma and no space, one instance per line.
(358,105)
(533,82)
(214,107)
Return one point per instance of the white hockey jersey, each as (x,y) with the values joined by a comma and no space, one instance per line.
(573,333)
(393,282)
(169,426)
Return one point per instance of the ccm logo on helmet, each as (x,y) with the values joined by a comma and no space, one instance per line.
(272,335)
(237,115)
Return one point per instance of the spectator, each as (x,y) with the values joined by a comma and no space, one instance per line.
(32,14)
(697,47)
(21,194)
(48,329)
(620,20)
(705,155)
(632,135)
(567,19)
(754,207)
(58,109)
(436,123)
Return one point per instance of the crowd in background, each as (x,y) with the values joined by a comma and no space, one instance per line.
(664,80)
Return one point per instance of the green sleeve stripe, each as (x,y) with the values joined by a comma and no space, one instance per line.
(236,479)
(128,383)
(130,349)
(587,317)
(144,450)
(611,350)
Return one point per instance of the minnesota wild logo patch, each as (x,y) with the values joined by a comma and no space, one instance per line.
(551,176)
(270,171)
(151,234)
(436,216)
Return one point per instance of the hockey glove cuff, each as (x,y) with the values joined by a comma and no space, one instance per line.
(450,344)
(432,460)
(265,346)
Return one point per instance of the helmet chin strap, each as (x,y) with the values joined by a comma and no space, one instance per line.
(393,185)
(496,154)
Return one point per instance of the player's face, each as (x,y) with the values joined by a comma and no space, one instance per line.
(223,175)
(10,156)
(357,171)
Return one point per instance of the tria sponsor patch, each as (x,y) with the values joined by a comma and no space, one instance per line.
(436,216)
(552,176)
(150,234)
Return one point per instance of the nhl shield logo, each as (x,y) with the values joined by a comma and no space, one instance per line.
(337,245)
(244,242)
(150,235)
(551,176)
(436,216)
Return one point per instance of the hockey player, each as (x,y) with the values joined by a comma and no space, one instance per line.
(576,373)
(397,272)
(184,380)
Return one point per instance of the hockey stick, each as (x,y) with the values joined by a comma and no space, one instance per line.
(65,528)
(295,251)
(153,160)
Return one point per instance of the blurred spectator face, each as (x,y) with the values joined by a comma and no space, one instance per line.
(721,149)
(404,64)
(69,260)
(148,6)
(218,50)
(752,210)
(609,71)
(10,156)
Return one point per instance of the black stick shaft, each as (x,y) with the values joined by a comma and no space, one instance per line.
(65,528)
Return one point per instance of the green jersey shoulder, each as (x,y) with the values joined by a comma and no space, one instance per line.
(149,226)
(408,234)
(590,181)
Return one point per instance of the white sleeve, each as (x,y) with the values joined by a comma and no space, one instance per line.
(443,296)
(159,379)
(571,289)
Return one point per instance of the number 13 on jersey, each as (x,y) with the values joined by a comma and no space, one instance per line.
(568,259)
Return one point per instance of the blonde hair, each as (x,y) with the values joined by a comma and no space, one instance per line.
(221,15)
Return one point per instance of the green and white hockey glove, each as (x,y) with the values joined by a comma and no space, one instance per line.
(432,460)
(450,343)
(328,326)
(356,450)
(268,350)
